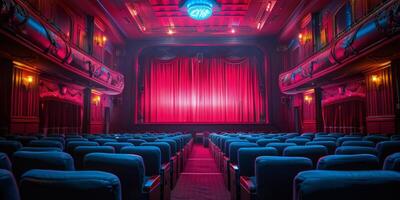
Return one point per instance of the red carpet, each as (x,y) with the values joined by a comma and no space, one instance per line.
(201,179)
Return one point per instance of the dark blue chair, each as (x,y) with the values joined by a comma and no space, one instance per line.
(264,142)
(118,145)
(40,149)
(392,162)
(81,151)
(5,162)
(69,185)
(151,157)
(275,174)
(9,147)
(46,143)
(376,138)
(129,169)
(339,141)
(395,137)
(387,148)
(280,146)
(23,161)
(349,162)
(102,141)
(330,145)
(298,141)
(150,139)
(325,138)
(72,145)
(359,143)
(346,150)
(346,185)
(313,152)
(136,142)
(8,186)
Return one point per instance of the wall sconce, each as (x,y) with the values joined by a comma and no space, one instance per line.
(304,38)
(307,99)
(377,80)
(100,40)
(96,100)
(27,81)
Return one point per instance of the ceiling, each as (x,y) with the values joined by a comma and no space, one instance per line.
(159,18)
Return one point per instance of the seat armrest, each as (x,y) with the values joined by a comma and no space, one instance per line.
(248,183)
(151,183)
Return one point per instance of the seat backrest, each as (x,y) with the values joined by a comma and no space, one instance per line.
(46,143)
(136,142)
(172,144)
(72,145)
(376,138)
(81,151)
(151,157)
(67,185)
(280,146)
(40,149)
(387,148)
(343,150)
(313,152)
(23,161)
(339,141)
(164,148)
(392,162)
(102,141)
(359,143)
(333,185)
(298,141)
(9,147)
(8,186)
(349,162)
(274,175)
(325,138)
(227,144)
(234,148)
(129,169)
(247,158)
(330,145)
(25,140)
(118,145)
(5,162)
(264,142)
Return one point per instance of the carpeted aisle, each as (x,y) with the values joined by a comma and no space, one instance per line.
(200,179)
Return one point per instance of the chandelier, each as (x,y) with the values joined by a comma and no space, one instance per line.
(199,9)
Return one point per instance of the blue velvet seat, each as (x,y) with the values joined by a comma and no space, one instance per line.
(280,146)
(298,141)
(164,148)
(387,148)
(347,185)
(150,139)
(234,148)
(247,158)
(330,145)
(313,152)
(349,162)
(102,141)
(151,157)
(46,143)
(264,142)
(274,176)
(118,145)
(172,143)
(392,162)
(136,142)
(129,169)
(59,139)
(395,137)
(337,135)
(8,186)
(39,149)
(5,162)
(67,140)
(9,147)
(325,138)
(81,151)
(359,143)
(72,145)
(253,139)
(69,185)
(26,160)
(355,150)
(25,140)
(339,141)
(376,138)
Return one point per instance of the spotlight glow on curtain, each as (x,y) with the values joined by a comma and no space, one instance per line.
(210,90)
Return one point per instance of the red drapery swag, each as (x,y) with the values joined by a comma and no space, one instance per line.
(345,117)
(60,117)
(211,90)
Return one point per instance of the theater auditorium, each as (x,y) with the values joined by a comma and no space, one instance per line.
(199,99)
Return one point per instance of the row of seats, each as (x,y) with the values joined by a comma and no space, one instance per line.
(118,166)
(283,166)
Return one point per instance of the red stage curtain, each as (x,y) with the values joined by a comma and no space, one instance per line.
(60,117)
(345,117)
(210,90)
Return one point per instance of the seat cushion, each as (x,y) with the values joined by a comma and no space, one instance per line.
(349,162)
(392,162)
(68,185)
(346,185)
(8,186)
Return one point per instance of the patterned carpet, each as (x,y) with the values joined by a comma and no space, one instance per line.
(201,179)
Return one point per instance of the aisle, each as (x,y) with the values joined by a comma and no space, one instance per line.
(201,179)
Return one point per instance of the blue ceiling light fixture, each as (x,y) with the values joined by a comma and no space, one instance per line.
(200,9)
